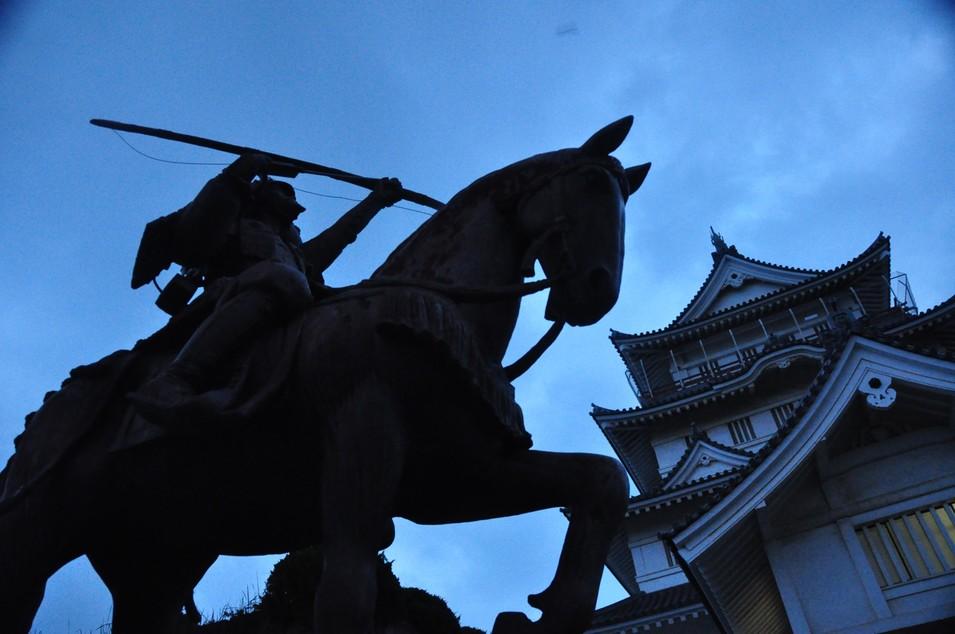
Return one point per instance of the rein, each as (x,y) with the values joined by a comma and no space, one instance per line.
(468,295)
(530,357)
(463,294)
(471,295)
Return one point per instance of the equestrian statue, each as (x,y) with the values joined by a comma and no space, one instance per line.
(273,413)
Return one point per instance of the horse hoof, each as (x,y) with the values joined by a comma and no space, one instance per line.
(512,623)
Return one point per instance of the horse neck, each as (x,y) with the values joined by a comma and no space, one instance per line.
(475,246)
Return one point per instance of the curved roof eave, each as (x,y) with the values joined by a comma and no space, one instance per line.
(716,391)
(675,328)
(696,489)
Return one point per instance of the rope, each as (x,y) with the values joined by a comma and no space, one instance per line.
(154,158)
(298,189)
(358,200)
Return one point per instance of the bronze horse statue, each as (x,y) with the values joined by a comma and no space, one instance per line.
(393,403)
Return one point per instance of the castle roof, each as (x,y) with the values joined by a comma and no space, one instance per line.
(653,606)
(789,285)
(705,393)
(816,413)
(943,314)
(703,450)
(720,545)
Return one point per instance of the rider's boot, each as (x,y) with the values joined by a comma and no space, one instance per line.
(209,345)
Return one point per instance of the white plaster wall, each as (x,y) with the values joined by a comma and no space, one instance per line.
(891,471)
(721,434)
(763,424)
(648,552)
(823,581)
(823,575)
(730,296)
(653,572)
(669,452)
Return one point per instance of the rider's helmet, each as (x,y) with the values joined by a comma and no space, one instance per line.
(277,198)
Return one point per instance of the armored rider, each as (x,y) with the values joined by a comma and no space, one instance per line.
(239,233)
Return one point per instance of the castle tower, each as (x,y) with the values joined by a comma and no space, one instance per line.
(794,450)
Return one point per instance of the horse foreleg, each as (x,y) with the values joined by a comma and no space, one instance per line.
(23,580)
(362,461)
(35,541)
(592,488)
(598,490)
(150,589)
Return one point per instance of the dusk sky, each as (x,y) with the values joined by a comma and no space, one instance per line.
(797,130)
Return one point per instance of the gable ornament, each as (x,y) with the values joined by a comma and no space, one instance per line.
(879,394)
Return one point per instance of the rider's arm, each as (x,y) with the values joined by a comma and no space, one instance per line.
(206,223)
(325,248)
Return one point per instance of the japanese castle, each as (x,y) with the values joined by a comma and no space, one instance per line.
(794,450)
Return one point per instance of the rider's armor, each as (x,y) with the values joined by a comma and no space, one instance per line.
(241,238)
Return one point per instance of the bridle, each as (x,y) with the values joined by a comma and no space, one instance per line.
(559,225)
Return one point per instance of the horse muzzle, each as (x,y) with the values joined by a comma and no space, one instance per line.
(584,298)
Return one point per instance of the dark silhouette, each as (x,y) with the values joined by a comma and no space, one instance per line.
(386,399)
(240,239)
(285,606)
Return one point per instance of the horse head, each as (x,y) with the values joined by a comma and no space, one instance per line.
(573,218)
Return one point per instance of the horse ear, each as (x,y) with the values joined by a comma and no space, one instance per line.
(636,176)
(609,138)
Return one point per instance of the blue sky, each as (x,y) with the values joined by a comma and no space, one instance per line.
(798,130)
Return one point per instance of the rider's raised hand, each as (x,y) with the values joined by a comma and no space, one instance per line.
(248,166)
(387,192)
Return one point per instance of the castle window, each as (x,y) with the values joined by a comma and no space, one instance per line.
(820,329)
(741,430)
(915,545)
(782,413)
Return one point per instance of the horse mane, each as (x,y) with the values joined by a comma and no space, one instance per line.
(504,187)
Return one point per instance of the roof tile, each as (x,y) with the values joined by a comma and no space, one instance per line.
(645,604)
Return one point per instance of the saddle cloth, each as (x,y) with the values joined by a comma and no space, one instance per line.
(255,379)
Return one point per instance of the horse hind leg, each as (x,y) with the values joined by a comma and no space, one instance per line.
(362,463)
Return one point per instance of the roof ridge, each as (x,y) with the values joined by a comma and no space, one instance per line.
(881,239)
(942,310)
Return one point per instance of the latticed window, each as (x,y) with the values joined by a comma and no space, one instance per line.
(741,430)
(916,545)
(782,412)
